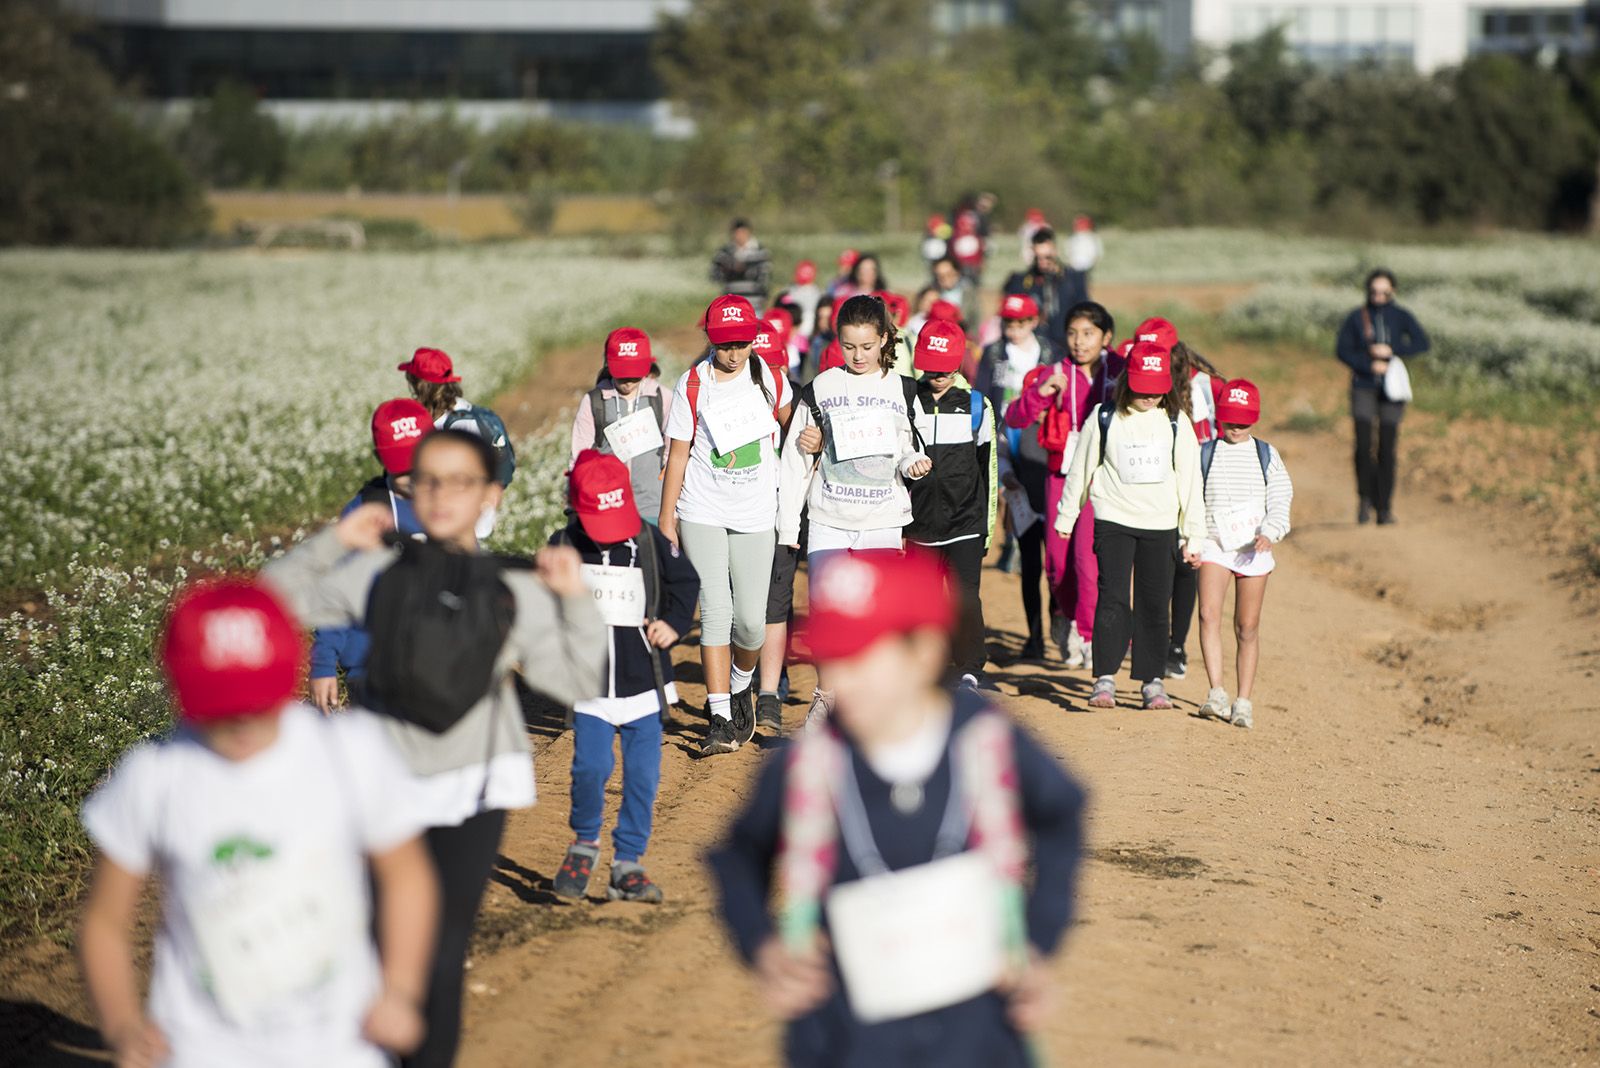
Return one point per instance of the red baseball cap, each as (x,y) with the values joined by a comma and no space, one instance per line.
(935,221)
(601,492)
(899,307)
(1124,347)
(231,649)
(398,426)
(730,320)
(431,365)
(858,598)
(943,311)
(1240,403)
(832,356)
(847,258)
(628,353)
(805,272)
(769,345)
(1082,223)
(940,347)
(1159,331)
(1019,306)
(782,318)
(1149,368)
(1035,215)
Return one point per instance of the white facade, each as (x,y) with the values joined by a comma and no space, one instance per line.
(554,16)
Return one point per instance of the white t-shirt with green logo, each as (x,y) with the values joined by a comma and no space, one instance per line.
(738,488)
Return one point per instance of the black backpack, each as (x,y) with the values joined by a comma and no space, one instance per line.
(438,618)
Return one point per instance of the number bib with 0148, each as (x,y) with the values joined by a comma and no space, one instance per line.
(277,930)
(618,593)
(1237,528)
(919,939)
(1141,463)
(858,434)
(736,425)
(634,435)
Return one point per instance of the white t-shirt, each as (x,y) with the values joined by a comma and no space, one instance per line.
(322,797)
(737,490)
(1020,359)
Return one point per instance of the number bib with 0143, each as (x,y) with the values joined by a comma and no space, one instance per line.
(634,435)
(736,425)
(1237,528)
(858,434)
(618,593)
(919,939)
(1141,463)
(279,929)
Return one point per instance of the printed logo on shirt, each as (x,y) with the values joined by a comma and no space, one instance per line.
(846,585)
(1238,396)
(235,637)
(405,427)
(742,457)
(604,502)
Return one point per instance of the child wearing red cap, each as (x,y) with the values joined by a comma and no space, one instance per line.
(952,510)
(434,382)
(846,264)
(866,276)
(855,489)
(926,847)
(1247,495)
(1199,399)
(1138,462)
(719,502)
(645,590)
(625,415)
(262,821)
(803,294)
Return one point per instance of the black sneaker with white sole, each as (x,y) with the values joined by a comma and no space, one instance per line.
(1177,663)
(632,884)
(572,878)
(743,707)
(769,712)
(719,737)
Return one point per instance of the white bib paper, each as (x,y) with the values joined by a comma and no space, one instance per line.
(634,435)
(857,434)
(1237,528)
(1069,452)
(280,929)
(618,593)
(1141,463)
(733,425)
(1021,509)
(920,939)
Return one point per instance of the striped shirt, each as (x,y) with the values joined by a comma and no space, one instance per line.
(1235,482)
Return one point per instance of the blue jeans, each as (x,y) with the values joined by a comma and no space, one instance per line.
(592,764)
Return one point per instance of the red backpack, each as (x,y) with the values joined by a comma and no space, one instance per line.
(692,387)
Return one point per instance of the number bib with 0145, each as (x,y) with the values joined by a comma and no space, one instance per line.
(919,939)
(858,434)
(618,593)
(634,435)
(279,929)
(1141,463)
(1237,528)
(736,425)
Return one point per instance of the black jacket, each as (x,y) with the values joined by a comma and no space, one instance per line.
(1390,324)
(1055,294)
(952,500)
(630,672)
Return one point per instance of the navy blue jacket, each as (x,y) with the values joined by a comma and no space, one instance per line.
(1392,325)
(974,1032)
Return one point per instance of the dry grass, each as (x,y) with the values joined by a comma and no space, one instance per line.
(470,218)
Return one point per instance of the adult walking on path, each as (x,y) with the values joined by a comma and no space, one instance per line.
(743,266)
(1375,342)
(1055,287)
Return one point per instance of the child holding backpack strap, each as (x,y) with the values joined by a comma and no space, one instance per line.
(1247,494)
(1139,464)
(625,415)
(926,847)
(449,626)
(434,382)
(645,589)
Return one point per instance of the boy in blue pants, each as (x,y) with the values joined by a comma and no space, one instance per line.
(646,591)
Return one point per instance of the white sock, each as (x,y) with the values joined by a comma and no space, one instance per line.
(740,679)
(718,703)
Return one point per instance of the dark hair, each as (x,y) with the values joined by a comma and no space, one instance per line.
(1095,312)
(759,378)
(487,459)
(1184,362)
(855,270)
(740,223)
(867,310)
(437,397)
(924,291)
(1174,401)
(947,258)
(1384,273)
(1043,234)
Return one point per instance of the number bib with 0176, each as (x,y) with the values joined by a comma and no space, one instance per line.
(634,435)
(1142,463)
(858,434)
(618,593)
(735,425)
(1237,528)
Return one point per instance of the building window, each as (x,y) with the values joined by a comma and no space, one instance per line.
(1336,34)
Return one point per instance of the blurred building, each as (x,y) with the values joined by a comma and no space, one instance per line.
(353,60)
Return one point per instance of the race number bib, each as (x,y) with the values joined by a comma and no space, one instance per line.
(1237,528)
(857,434)
(1021,510)
(734,425)
(1140,463)
(919,939)
(279,929)
(618,593)
(634,435)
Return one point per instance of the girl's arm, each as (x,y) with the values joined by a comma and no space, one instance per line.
(914,463)
(672,486)
(1280,494)
(1079,470)
(795,469)
(1190,486)
(1029,405)
(105,947)
(408,914)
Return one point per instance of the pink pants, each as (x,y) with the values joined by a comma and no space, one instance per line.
(1069,562)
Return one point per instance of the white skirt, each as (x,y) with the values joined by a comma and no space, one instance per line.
(1245,564)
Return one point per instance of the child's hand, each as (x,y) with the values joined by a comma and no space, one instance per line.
(325,694)
(1054,384)
(394,1023)
(140,1045)
(792,984)
(1191,558)
(1263,544)
(660,635)
(365,527)
(1029,993)
(810,440)
(559,567)
(920,468)
(668,525)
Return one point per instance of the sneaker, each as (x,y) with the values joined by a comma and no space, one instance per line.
(1387,519)
(1033,649)
(1364,513)
(1177,663)
(1079,652)
(1061,635)
(1105,693)
(1216,706)
(572,878)
(1242,708)
(1155,696)
(743,707)
(719,737)
(633,884)
(769,712)
(821,707)
(969,681)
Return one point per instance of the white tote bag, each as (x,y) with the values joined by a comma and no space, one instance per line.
(1397,381)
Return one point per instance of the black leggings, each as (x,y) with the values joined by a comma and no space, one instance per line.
(1147,558)
(1375,475)
(968,652)
(1185,590)
(464,856)
(1030,546)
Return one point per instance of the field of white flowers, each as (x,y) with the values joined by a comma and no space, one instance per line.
(180,413)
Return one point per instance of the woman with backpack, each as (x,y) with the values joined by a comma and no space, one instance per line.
(625,415)
(449,625)
(855,489)
(719,503)
(433,380)
(1138,462)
